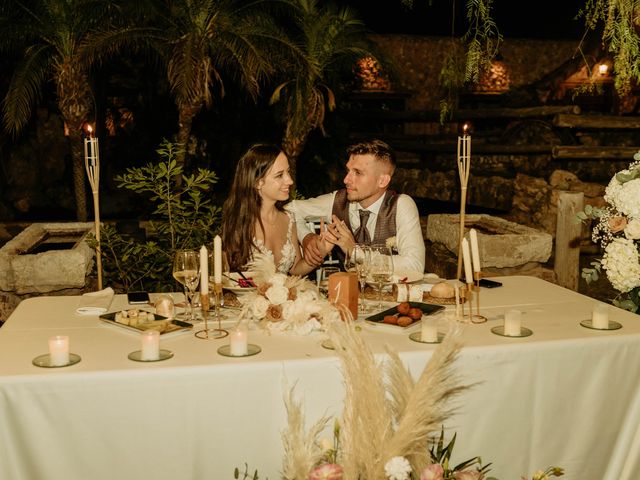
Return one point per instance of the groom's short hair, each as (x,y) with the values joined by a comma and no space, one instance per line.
(379,149)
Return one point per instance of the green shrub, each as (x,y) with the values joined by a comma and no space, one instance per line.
(183,218)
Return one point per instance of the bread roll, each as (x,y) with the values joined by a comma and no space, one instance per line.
(442,290)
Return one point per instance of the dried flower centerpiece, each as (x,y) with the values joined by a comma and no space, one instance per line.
(284,303)
(388,421)
(617,231)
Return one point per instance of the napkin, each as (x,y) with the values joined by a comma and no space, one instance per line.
(95,303)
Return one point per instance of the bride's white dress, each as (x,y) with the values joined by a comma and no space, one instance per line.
(288,252)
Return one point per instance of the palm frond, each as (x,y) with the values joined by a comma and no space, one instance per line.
(25,87)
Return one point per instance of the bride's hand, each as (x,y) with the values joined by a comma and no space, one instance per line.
(326,240)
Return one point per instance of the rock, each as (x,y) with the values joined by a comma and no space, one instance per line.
(501,243)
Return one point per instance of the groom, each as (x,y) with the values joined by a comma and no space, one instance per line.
(365,211)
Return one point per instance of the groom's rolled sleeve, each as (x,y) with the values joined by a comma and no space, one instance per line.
(311,207)
(409,240)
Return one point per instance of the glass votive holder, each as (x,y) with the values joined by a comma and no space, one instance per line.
(600,316)
(239,341)
(513,323)
(59,350)
(150,345)
(165,306)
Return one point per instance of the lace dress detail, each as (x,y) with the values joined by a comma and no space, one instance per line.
(288,252)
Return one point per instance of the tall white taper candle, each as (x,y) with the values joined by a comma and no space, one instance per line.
(466,257)
(475,251)
(217,259)
(204,271)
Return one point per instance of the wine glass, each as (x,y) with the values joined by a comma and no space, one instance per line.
(186,271)
(357,260)
(380,268)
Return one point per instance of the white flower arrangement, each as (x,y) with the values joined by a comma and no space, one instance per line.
(617,230)
(283,303)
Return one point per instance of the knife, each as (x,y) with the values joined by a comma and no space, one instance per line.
(180,323)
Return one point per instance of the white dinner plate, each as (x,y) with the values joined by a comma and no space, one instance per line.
(232,286)
(410,275)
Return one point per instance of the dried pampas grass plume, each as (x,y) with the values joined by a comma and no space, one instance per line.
(262,268)
(386,414)
(301,451)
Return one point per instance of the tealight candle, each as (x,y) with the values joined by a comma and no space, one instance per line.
(150,348)
(600,316)
(513,323)
(429,329)
(59,350)
(238,341)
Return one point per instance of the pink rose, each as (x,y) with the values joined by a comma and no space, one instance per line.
(617,224)
(467,475)
(326,471)
(432,472)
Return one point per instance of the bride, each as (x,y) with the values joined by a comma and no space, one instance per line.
(253,216)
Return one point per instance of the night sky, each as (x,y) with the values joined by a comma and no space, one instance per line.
(515,18)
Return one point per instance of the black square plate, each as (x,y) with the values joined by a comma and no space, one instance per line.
(427,309)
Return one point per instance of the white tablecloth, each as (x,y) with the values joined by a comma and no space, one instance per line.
(565,396)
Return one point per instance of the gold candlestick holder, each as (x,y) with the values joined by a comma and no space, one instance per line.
(475,287)
(212,333)
(463,300)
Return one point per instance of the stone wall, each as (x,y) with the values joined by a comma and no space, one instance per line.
(415,62)
(524,187)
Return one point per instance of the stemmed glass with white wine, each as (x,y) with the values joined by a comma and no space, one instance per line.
(186,271)
(357,260)
(380,268)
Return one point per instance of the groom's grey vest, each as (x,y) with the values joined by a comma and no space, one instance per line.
(386,224)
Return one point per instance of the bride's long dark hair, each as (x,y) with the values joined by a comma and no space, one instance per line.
(242,208)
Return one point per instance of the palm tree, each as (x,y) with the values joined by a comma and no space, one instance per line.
(328,39)
(54,36)
(206,39)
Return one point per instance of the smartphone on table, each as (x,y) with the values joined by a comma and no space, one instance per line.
(138,298)
(485,282)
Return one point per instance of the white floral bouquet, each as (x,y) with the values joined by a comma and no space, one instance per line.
(284,303)
(617,230)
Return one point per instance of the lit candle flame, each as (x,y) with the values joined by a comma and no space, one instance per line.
(90,131)
(465,129)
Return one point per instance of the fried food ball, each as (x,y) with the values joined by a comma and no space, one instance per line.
(403,308)
(415,313)
(405,321)
(390,319)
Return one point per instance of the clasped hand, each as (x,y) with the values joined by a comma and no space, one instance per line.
(317,246)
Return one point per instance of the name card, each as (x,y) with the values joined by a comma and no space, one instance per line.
(343,289)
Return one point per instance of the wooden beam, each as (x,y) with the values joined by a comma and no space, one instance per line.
(568,231)
(590,152)
(478,148)
(596,121)
(469,114)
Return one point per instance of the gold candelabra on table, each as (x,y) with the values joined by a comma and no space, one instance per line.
(212,333)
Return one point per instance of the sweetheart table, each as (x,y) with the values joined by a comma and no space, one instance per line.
(566,396)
